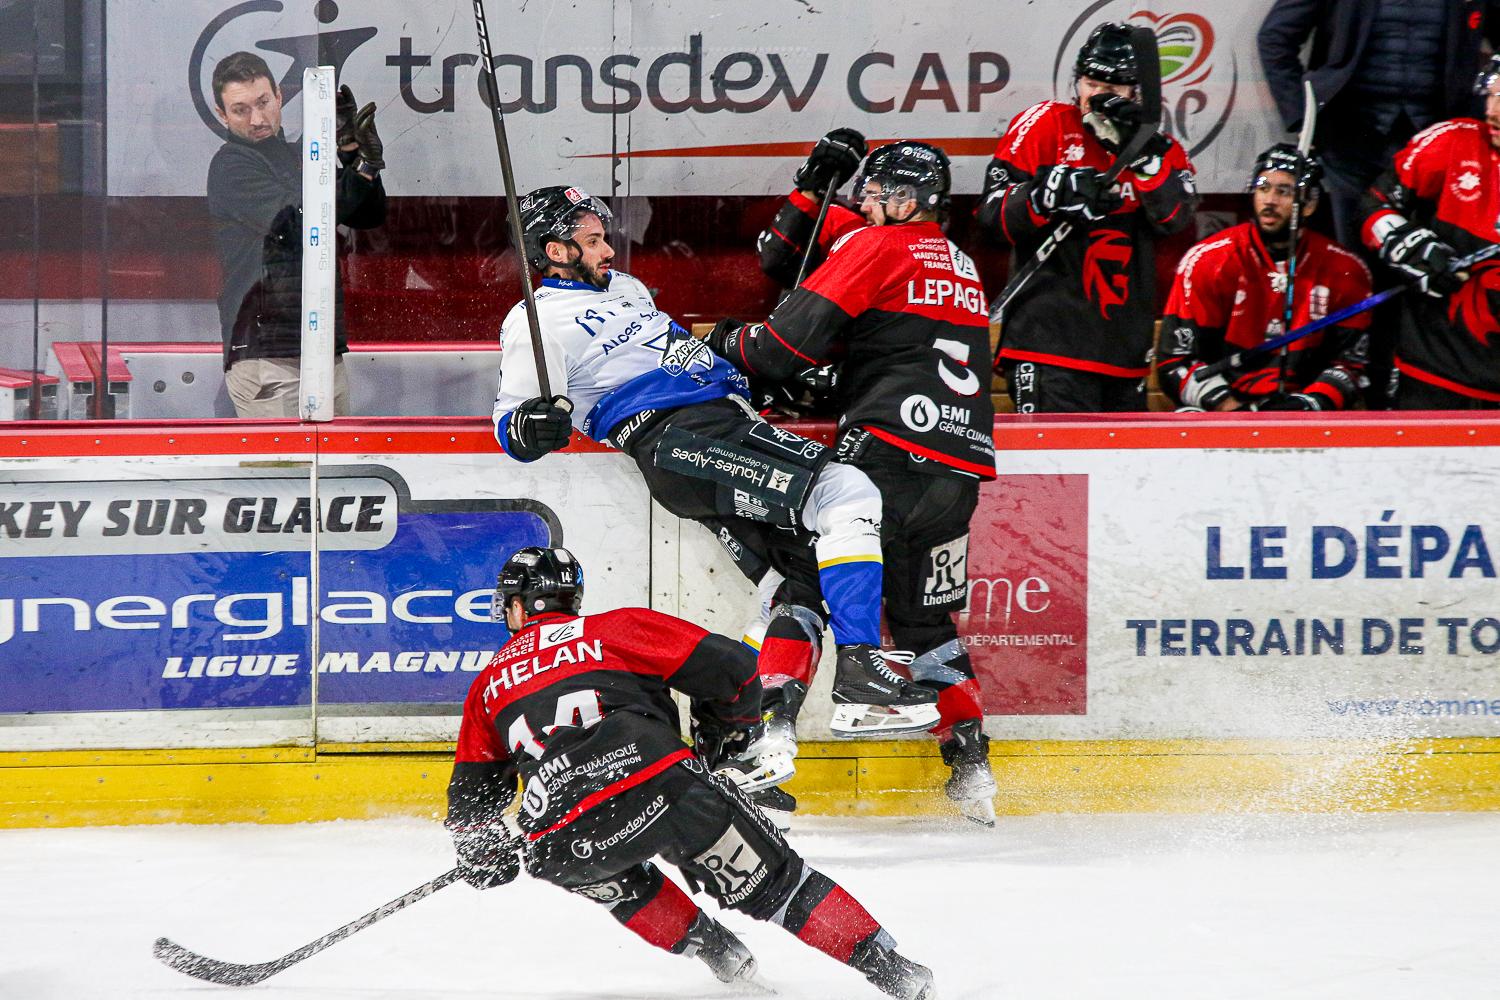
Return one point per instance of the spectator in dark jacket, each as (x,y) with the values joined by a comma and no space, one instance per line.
(255,198)
(1381,70)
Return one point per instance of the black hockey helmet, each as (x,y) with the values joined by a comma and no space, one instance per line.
(545,579)
(1106,55)
(1284,156)
(551,213)
(1487,75)
(919,167)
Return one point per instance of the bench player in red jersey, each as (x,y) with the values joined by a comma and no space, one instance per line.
(1230,294)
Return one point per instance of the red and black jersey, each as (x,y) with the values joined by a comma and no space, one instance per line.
(581,708)
(1092,306)
(1229,294)
(901,309)
(1448,179)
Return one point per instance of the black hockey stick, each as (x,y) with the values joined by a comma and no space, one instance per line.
(1304,148)
(1241,360)
(512,205)
(1148,68)
(817,230)
(231,974)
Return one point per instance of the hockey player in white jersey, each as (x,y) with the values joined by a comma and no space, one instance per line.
(625,374)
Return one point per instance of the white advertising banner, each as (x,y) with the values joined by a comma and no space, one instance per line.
(669,97)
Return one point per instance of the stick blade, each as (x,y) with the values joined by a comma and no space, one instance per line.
(189,963)
(1147,59)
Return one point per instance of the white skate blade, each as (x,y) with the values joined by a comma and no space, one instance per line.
(981,811)
(851,721)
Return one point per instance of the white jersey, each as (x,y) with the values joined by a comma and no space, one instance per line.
(610,351)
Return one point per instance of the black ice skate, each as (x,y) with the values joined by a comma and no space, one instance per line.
(778,804)
(972,784)
(724,954)
(871,699)
(891,973)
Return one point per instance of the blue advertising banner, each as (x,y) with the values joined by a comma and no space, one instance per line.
(196,592)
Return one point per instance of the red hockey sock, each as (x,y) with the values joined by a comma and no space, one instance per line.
(823,915)
(958,703)
(666,917)
(788,651)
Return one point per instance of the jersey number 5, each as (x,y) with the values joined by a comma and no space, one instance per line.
(576,708)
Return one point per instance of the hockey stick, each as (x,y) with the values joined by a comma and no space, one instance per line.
(1304,147)
(1240,360)
(231,974)
(512,206)
(817,229)
(1148,68)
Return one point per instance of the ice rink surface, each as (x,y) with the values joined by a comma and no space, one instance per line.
(1067,907)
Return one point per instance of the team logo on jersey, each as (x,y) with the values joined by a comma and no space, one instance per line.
(1468,181)
(1473,305)
(685,354)
(1317,302)
(1199,80)
(1106,280)
(556,635)
(919,412)
(534,799)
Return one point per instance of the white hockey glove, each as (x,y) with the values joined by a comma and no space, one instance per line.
(1205,393)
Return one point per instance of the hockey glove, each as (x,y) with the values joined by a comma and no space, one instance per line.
(1073,190)
(1420,253)
(1205,393)
(1113,120)
(487,855)
(715,742)
(371,149)
(539,426)
(345,107)
(832,162)
(1290,402)
(724,339)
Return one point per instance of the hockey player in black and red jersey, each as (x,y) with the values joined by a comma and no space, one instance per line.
(900,311)
(580,708)
(625,373)
(1075,338)
(1438,202)
(1230,294)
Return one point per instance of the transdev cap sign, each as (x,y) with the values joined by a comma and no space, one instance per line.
(667,97)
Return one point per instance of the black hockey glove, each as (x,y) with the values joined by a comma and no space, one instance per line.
(487,855)
(371,149)
(724,339)
(345,108)
(833,161)
(1290,402)
(715,742)
(1074,191)
(1420,253)
(539,426)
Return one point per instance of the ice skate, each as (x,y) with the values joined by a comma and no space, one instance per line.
(778,804)
(724,954)
(871,699)
(891,973)
(972,783)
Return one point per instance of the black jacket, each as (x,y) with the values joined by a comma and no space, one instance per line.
(1340,30)
(255,198)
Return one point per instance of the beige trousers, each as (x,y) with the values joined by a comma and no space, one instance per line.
(263,388)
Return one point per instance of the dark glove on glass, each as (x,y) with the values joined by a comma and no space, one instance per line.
(1420,253)
(487,855)
(539,426)
(345,107)
(1075,191)
(832,162)
(371,149)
